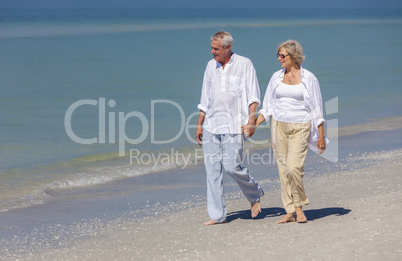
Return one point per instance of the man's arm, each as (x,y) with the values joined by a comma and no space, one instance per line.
(249,128)
(199,131)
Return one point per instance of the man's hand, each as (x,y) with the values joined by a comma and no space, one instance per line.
(200,131)
(198,135)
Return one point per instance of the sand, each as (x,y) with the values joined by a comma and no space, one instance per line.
(353,215)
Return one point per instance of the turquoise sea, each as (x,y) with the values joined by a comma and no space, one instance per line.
(82,87)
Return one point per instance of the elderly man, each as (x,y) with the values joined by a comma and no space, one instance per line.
(229,100)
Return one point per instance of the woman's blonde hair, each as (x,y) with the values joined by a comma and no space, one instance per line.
(294,49)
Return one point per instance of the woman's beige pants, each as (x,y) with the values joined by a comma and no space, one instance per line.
(289,142)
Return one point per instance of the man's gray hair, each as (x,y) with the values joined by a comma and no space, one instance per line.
(226,37)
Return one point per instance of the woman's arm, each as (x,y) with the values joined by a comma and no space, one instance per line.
(260,119)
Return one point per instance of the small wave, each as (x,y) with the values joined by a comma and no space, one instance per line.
(36,197)
(138,164)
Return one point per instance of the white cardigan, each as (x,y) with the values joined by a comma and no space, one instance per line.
(312,101)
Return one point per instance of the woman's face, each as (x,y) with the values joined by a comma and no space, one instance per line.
(285,59)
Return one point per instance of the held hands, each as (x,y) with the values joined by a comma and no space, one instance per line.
(248,130)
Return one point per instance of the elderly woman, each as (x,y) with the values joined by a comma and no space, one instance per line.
(293,99)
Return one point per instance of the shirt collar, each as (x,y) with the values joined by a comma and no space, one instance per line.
(232,58)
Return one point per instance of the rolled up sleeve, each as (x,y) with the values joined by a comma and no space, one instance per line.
(317,102)
(267,104)
(205,102)
(252,86)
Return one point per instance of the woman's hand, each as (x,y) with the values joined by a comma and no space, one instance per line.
(321,145)
(321,139)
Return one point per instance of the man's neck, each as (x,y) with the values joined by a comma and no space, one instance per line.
(227,60)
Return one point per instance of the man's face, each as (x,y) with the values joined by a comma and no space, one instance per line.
(220,54)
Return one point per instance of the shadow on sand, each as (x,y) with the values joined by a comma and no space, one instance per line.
(311,214)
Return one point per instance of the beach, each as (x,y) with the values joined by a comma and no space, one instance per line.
(98,159)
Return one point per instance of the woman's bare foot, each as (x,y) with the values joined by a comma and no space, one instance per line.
(290,217)
(301,218)
(213,222)
(255,209)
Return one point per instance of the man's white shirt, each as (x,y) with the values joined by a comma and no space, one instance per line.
(227,94)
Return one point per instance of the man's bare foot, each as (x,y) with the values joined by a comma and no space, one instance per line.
(213,222)
(301,218)
(290,217)
(255,209)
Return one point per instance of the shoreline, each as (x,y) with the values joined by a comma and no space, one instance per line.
(102,173)
(348,219)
